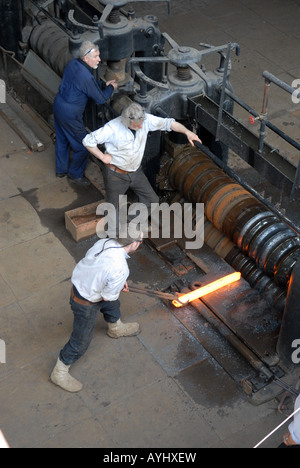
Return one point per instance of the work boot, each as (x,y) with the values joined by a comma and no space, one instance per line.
(118,329)
(81,181)
(60,376)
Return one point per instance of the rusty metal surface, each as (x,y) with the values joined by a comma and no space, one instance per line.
(244,311)
(249,317)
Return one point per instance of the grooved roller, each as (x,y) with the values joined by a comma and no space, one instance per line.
(257,231)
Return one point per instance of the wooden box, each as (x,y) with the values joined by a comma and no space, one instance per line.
(82,222)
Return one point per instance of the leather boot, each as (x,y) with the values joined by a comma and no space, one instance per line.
(60,376)
(118,329)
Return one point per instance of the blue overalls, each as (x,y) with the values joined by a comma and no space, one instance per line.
(77,86)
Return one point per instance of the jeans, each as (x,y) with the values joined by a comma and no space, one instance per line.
(85,317)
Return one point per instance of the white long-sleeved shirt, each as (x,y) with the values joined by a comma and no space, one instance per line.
(102,276)
(294,427)
(127,150)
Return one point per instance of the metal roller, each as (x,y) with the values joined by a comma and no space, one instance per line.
(223,202)
(241,216)
(258,232)
(285,267)
(279,253)
(258,242)
(256,277)
(278,240)
(195,175)
(254,225)
(50,43)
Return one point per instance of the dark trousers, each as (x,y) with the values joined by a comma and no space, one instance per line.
(70,131)
(117,184)
(64,142)
(85,317)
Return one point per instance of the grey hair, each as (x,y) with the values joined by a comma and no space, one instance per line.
(86,48)
(133,113)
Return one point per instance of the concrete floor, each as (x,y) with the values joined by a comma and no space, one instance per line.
(154,390)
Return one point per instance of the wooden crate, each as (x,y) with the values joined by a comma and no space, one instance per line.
(82,222)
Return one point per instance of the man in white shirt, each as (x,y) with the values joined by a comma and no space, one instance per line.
(98,280)
(125,140)
(292,438)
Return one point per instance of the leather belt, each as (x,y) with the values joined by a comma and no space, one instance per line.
(117,169)
(78,300)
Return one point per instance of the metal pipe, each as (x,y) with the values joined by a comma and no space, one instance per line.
(273,79)
(262,134)
(266,97)
(223,92)
(268,124)
(263,117)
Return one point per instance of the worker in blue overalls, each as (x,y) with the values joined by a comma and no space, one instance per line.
(77,86)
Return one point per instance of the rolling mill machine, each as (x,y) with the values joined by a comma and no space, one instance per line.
(260,317)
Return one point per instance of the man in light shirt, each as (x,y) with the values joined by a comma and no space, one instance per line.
(125,140)
(292,438)
(98,280)
(3,442)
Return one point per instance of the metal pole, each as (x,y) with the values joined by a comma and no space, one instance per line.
(273,79)
(151,292)
(263,116)
(223,92)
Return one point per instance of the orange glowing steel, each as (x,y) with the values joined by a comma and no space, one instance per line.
(186,298)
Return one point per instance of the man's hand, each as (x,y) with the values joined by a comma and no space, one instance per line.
(191,136)
(126,288)
(106,158)
(113,83)
(288,440)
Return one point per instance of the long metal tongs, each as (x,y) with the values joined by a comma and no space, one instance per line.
(153,293)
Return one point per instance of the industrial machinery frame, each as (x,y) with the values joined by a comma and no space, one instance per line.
(166,78)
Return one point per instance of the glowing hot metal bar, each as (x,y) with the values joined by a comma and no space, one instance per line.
(215,286)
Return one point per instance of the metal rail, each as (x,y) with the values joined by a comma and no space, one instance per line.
(264,122)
